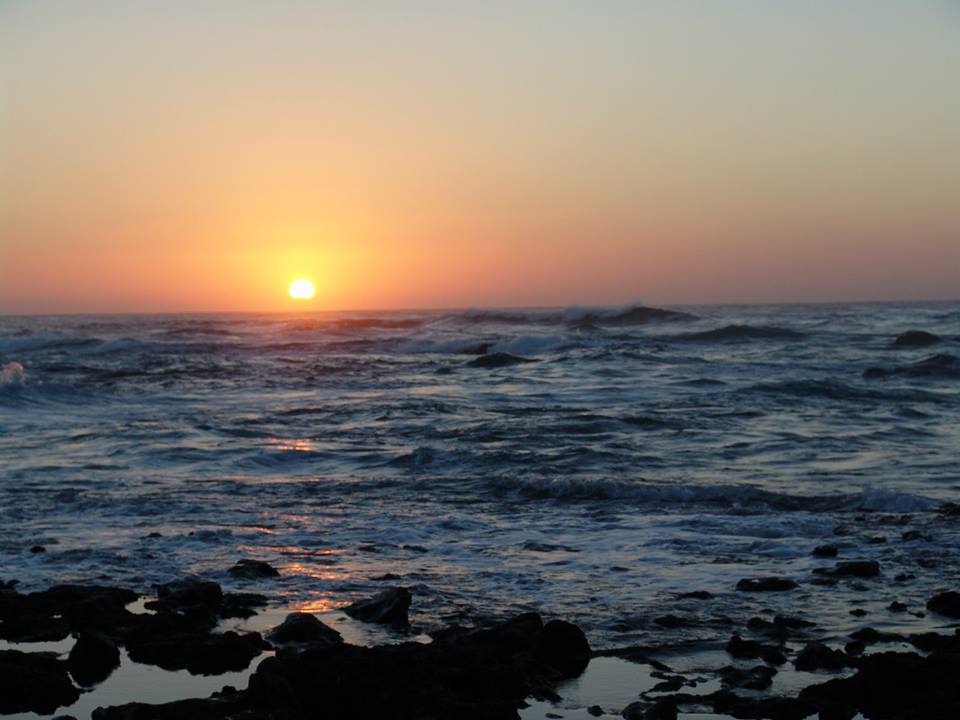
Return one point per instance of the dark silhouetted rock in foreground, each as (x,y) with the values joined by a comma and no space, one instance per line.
(905,686)
(253,569)
(498,360)
(181,595)
(389,607)
(34,682)
(753,650)
(198,653)
(92,658)
(916,338)
(817,656)
(480,674)
(563,646)
(303,627)
(946,603)
(769,584)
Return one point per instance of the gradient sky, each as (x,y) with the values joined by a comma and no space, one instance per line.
(199,155)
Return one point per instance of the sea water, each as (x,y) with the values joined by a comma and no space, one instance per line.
(615,459)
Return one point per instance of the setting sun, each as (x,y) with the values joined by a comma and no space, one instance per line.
(301,289)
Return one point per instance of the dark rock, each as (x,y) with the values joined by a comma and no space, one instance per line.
(930,641)
(946,603)
(753,650)
(386,576)
(595,710)
(916,338)
(197,653)
(905,686)
(34,682)
(38,549)
(387,607)
(253,569)
(93,658)
(241,605)
(859,612)
(672,621)
(498,360)
(869,636)
(852,568)
(303,627)
(897,606)
(780,628)
(696,595)
(563,646)
(181,595)
(825,551)
(768,584)
(817,656)
(759,677)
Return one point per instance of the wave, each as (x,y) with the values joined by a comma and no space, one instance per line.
(374,323)
(742,497)
(739,333)
(833,390)
(583,317)
(943,366)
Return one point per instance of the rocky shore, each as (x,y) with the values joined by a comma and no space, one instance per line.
(491,671)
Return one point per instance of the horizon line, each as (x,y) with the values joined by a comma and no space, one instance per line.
(638,303)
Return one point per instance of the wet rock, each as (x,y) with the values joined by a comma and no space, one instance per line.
(768,584)
(34,682)
(695,595)
(946,603)
(302,628)
(93,658)
(38,549)
(753,650)
(563,646)
(385,577)
(247,569)
(828,551)
(906,686)
(198,654)
(852,568)
(498,360)
(672,622)
(930,641)
(182,595)
(595,710)
(817,656)
(759,677)
(781,628)
(916,338)
(389,607)
(859,612)
(241,605)
(897,606)
(869,636)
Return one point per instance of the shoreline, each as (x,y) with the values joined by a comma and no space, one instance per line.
(776,666)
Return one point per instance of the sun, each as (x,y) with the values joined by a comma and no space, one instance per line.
(301,289)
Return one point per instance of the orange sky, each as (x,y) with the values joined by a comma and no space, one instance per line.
(200,156)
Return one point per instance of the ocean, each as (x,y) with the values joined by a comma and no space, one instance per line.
(593,464)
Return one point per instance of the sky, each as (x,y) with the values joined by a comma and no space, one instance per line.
(191,155)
